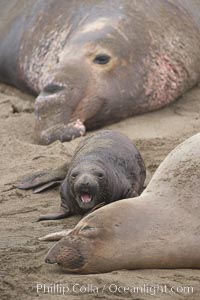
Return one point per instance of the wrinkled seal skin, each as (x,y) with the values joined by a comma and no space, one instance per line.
(159,229)
(106,167)
(93,62)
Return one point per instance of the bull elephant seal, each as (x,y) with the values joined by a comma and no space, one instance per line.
(95,62)
(106,167)
(159,229)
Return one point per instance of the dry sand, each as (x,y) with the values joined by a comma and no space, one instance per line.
(22,264)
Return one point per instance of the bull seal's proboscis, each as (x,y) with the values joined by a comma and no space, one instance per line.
(93,62)
(159,229)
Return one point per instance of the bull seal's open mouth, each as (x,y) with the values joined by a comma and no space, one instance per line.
(86,197)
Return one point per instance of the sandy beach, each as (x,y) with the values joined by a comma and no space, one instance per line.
(23,272)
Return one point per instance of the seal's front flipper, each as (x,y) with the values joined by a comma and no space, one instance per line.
(46,186)
(61,214)
(97,206)
(56,236)
(43,180)
(63,133)
(133,194)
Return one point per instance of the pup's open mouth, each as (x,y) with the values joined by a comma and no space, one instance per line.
(86,198)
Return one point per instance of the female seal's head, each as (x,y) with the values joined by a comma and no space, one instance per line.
(72,253)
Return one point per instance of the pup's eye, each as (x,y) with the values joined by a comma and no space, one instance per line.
(74,175)
(100,175)
(102,59)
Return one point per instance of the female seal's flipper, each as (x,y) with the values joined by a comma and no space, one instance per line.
(56,236)
(61,214)
(43,180)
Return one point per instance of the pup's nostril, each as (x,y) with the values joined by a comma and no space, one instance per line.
(52,88)
(84,184)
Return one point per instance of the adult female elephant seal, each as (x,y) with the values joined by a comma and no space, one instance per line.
(96,62)
(159,229)
(106,167)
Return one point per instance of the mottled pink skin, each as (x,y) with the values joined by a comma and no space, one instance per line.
(165,80)
(153,49)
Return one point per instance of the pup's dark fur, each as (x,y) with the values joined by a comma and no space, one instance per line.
(106,167)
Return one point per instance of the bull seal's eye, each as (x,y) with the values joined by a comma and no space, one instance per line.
(52,88)
(102,59)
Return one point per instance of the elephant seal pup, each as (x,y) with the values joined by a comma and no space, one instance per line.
(106,167)
(159,229)
(92,63)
